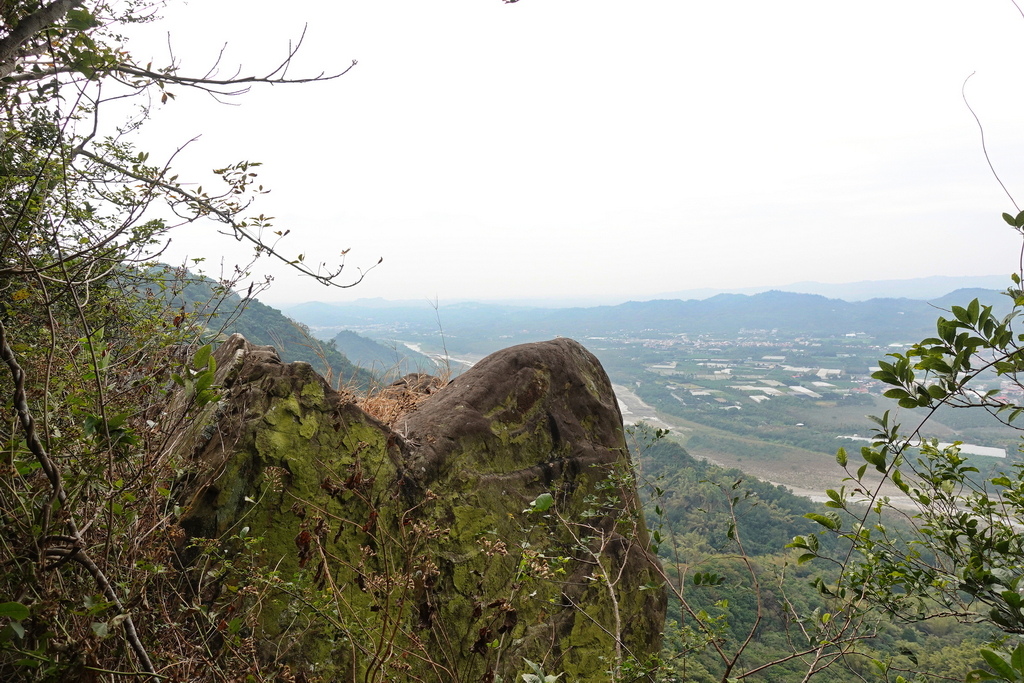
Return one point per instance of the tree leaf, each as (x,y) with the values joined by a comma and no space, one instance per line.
(1017,658)
(543,503)
(202,357)
(81,20)
(829,521)
(999,665)
(14,610)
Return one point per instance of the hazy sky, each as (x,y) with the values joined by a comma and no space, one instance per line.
(590,148)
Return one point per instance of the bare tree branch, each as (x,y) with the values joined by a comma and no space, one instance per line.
(238,230)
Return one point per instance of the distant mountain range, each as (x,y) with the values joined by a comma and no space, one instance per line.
(924,288)
(483,327)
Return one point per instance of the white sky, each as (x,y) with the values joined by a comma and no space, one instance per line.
(610,149)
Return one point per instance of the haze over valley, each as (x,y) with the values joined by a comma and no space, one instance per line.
(772,383)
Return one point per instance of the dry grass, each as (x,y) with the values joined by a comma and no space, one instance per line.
(389,403)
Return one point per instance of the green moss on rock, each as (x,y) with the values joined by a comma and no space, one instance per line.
(394,557)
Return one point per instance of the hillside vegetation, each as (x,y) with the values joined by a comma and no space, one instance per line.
(223,312)
(383,359)
(720,521)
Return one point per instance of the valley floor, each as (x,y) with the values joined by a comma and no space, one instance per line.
(806,480)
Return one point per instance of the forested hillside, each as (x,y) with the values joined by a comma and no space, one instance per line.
(223,312)
(723,541)
(384,360)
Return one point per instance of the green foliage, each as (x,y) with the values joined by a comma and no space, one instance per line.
(742,620)
(221,312)
(1005,666)
(197,377)
(963,552)
(91,351)
(952,547)
(538,675)
(542,503)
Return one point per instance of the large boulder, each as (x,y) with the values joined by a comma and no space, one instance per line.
(496,521)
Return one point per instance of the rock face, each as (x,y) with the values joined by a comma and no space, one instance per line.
(497,521)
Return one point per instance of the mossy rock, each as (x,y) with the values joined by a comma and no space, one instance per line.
(358,552)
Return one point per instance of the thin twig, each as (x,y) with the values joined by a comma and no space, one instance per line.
(984,149)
